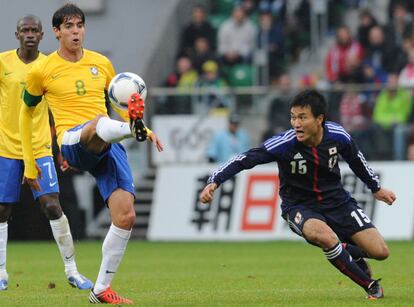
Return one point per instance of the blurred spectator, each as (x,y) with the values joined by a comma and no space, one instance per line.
(344,58)
(236,38)
(201,53)
(278,8)
(391,113)
(229,142)
(271,40)
(381,57)
(183,78)
(409,5)
(400,26)
(354,116)
(365,23)
(198,27)
(406,77)
(393,104)
(353,112)
(278,115)
(249,6)
(212,83)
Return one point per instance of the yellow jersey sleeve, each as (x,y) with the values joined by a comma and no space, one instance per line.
(34,90)
(26,126)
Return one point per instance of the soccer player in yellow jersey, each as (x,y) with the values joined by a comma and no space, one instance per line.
(74,81)
(14,65)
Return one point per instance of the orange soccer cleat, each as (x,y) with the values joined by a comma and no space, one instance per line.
(136,107)
(108,297)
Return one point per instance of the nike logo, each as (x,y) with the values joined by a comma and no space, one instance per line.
(7,73)
(54,77)
(109,272)
(67,258)
(52,184)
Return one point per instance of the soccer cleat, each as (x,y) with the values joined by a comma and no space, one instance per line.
(136,107)
(79,281)
(3,284)
(364,266)
(375,290)
(108,297)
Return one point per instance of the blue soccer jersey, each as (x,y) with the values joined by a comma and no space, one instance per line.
(309,176)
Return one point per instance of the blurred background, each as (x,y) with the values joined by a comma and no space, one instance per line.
(220,75)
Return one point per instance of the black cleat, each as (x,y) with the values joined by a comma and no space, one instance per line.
(375,290)
(138,129)
(364,266)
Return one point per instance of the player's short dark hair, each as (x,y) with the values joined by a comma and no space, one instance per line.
(312,98)
(66,12)
(26,17)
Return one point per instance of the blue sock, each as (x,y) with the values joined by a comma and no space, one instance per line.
(354,251)
(343,261)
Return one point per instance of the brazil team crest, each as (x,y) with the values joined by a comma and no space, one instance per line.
(94,71)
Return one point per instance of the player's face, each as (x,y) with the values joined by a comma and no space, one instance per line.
(71,34)
(307,127)
(29,33)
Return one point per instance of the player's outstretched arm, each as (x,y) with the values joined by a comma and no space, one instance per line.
(207,194)
(385,195)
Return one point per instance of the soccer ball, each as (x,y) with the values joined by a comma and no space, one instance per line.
(123,85)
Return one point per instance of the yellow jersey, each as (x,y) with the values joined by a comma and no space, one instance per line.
(74,91)
(13,72)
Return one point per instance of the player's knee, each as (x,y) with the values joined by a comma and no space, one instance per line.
(5,212)
(321,237)
(126,220)
(380,253)
(51,207)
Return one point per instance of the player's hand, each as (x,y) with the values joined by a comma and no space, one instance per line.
(206,195)
(386,196)
(156,141)
(32,182)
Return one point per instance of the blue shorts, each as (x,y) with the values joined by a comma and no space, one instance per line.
(11,174)
(345,220)
(110,169)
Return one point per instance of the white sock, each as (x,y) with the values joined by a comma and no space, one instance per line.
(3,249)
(63,238)
(113,248)
(112,131)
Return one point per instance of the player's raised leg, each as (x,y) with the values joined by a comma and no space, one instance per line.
(122,212)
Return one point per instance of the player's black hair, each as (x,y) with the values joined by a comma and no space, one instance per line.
(66,12)
(30,16)
(312,98)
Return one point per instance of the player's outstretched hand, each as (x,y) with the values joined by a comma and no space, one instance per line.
(33,183)
(206,195)
(156,141)
(386,196)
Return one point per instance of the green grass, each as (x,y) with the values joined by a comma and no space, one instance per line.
(206,274)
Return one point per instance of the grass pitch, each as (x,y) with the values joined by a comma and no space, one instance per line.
(206,274)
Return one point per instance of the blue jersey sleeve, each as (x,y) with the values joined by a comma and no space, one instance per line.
(356,161)
(247,160)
